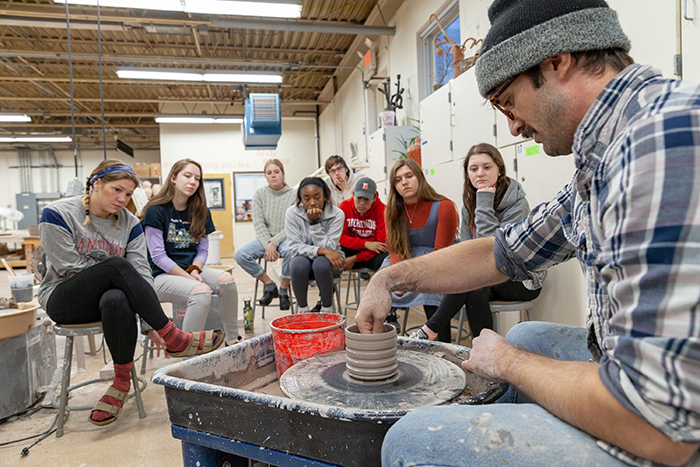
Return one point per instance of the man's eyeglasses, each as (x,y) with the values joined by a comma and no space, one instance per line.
(501,90)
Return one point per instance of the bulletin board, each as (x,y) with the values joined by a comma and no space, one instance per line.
(244,186)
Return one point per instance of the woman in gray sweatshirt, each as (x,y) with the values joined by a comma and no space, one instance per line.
(491,200)
(313,228)
(96,270)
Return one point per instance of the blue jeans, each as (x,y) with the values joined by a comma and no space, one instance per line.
(510,432)
(247,256)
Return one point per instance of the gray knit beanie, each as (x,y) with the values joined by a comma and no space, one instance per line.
(525,32)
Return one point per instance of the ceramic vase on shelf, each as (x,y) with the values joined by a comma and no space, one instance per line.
(413,152)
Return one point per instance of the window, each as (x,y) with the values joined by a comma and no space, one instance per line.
(438,68)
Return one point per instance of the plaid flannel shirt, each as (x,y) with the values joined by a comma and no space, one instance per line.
(630,216)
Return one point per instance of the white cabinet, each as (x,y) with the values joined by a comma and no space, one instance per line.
(691,39)
(385,147)
(563,297)
(541,175)
(473,118)
(436,127)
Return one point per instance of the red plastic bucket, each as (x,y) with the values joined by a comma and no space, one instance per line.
(301,336)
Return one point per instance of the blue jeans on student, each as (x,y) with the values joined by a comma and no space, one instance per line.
(248,254)
(510,432)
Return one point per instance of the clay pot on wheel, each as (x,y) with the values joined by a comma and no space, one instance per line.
(371,357)
(413,152)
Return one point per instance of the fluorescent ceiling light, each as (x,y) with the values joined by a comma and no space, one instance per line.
(6,117)
(196,119)
(273,9)
(242,78)
(209,77)
(35,139)
(228,120)
(164,75)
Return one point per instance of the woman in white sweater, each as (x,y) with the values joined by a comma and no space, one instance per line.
(269,205)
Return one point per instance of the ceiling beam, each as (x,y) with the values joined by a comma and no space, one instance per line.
(329,27)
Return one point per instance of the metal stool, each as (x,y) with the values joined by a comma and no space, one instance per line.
(255,294)
(70,332)
(354,277)
(496,308)
(336,292)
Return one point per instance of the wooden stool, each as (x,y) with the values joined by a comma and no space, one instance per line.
(70,332)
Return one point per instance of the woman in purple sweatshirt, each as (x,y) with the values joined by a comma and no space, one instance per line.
(177,223)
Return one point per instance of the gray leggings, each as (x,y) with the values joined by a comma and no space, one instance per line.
(178,289)
(320,270)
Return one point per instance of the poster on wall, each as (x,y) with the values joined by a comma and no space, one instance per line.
(244,186)
(214,192)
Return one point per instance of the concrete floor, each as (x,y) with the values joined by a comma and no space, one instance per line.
(130,441)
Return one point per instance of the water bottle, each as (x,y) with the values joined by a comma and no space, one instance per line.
(248,314)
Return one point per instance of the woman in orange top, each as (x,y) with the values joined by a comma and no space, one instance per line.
(418,221)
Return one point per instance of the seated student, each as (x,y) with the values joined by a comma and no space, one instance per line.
(177,224)
(96,270)
(418,221)
(269,206)
(340,179)
(313,228)
(491,200)
(364,232)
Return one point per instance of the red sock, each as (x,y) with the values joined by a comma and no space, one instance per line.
(122,382)
(175,339)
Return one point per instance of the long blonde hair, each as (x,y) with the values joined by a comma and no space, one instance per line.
(469,194)
(395,213)
(196,203)
(89,185)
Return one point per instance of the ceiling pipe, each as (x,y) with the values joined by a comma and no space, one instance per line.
(270,25)
(303,26)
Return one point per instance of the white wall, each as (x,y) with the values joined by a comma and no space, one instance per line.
(219,148)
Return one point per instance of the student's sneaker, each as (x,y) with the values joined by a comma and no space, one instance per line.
(419,334)
(285,304)
(393,319)
(269,293)
(317,308)
(365,276)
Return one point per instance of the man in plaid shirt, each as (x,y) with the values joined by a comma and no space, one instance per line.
(630,382)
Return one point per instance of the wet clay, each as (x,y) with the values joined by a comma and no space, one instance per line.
(371,357)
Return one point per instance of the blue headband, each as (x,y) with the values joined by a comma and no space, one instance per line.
(111,170)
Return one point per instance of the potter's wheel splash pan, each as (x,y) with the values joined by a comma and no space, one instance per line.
(216,394)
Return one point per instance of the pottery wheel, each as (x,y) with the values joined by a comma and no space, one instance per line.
(422,380)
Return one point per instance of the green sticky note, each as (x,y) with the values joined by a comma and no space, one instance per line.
(532,150)
(432,171)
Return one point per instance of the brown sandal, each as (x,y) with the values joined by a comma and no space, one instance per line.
(202,342)
(113,410)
